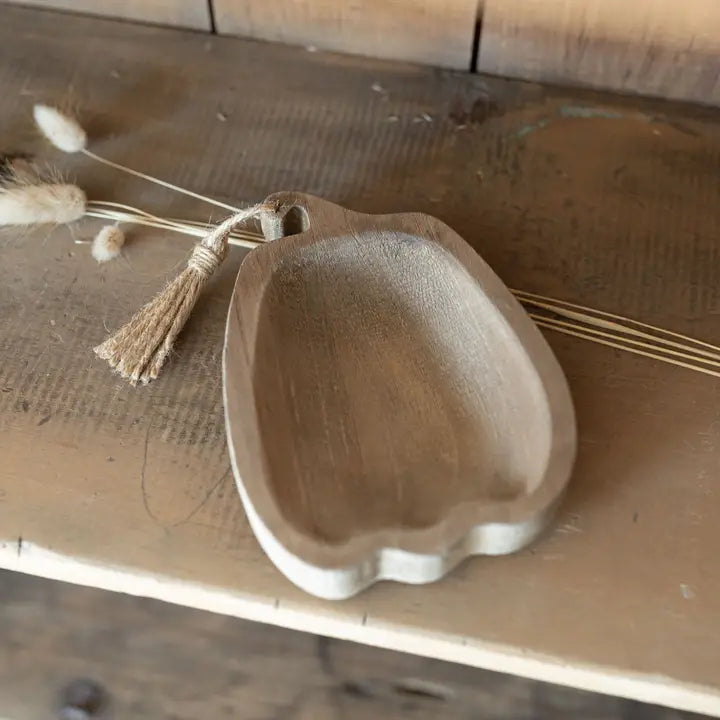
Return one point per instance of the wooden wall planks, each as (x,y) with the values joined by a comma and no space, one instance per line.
(425,31)
(193,14)
(654,47)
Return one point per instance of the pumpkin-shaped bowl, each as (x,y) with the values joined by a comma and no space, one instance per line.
(390,407)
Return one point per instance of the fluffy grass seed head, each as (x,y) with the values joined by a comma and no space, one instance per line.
(43,203)
(62,130)
(108,243)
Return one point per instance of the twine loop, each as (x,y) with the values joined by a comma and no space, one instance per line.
(204,260)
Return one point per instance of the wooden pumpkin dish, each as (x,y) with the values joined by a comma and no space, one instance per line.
(390,407)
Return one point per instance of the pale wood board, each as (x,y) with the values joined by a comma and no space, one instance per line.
(600,201)
(162,662)
(179,13)
(654,47)
(424,31)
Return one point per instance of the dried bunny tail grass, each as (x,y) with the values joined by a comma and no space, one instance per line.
(139,349)
(47,173)
(61,129)
(17,169)
(40,204)
(66,134)
(20,169)
(31,195)
(108,243)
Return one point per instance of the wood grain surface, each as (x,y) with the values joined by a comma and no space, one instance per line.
(163,662)
(654,47)
(180,13)
(583,197)
(423,31)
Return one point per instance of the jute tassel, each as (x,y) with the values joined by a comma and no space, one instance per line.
(139,349)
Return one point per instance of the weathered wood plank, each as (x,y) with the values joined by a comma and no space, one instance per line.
(180,13)
(423,31)
(653,47)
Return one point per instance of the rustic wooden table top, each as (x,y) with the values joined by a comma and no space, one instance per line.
(593,199)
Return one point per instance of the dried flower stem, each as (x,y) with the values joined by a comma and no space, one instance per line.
(157,181)
(620,336)
(617,342)
(597,318)
(65,132)
(195,229)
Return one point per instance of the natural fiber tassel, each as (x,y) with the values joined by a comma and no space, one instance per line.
(139,349)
